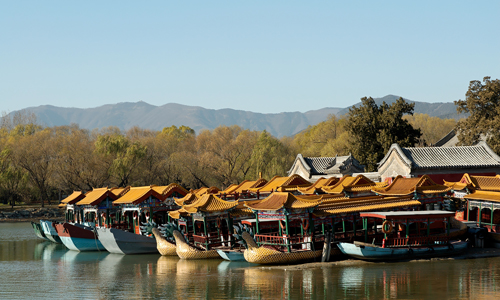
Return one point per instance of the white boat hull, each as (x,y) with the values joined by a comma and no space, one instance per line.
(367,252)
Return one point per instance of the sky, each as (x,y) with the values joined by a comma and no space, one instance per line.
(259,56)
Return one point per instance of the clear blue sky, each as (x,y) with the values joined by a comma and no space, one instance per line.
(261,56)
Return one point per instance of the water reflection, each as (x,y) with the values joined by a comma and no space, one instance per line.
(36,269)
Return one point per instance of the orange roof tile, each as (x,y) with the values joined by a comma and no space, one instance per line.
(352,184)
(245,186)
(484,195)
(210,203)
(74,197)
(137,195)
(167,191)
(374,206)
(278,200)
(282,183)
(367,204)
(120,191)
(188,199)
(487,183)
(406,186)
(96,196)
(320,183)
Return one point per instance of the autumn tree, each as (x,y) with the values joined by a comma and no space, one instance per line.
(327,138)
(78,166)
(270,157)
(36,154)
(482,102)
(226,151)
(433,128)
(373,129)
(125,154)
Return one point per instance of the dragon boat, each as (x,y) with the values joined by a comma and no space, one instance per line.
(269,255)
(164,246)
(183,248)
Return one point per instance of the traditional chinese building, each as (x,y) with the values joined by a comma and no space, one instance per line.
(439,163)
(313,168)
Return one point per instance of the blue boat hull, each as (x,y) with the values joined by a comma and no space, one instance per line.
(82,244)
(231,255)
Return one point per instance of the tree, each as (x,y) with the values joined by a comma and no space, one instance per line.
(126,156)
(373,129)
(270,157)
(482,102)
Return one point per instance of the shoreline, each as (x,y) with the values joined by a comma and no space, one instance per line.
(20,220)
(470,253)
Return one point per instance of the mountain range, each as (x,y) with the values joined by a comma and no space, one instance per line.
(128,114)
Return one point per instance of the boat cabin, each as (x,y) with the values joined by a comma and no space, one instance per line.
(407,228)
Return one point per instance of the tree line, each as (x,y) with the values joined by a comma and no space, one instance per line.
(42,163)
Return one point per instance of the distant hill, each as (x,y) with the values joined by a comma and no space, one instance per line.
(446,110)
(128,114)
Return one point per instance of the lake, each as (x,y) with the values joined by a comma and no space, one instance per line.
(31,268)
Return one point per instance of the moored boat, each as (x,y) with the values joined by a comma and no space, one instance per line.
(50,232)
(164,246)
(38,230)
(405,235)
(122,242)
(232,255)
(78,237)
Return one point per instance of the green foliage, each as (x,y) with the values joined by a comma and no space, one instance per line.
(270,157)
(373,129)
(482,101)
(433,128)
(327,138)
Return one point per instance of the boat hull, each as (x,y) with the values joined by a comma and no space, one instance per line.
(78,238)
(38,230)
(50,232)
(231,255)
(123,242)
(374,253)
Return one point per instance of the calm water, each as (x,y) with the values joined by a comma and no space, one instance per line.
(33,269)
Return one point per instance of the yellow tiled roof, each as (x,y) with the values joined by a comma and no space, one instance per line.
(406,186)
(282,183)
(457,186)
(320,183)
(95,196)
(75,196)
(204,190)
(176,214)
(487,183)
(210,203)
(120,191)
(188,199)
(278,200)
(484,195)
(137,195)
(230,189)
(352,184)
(245,186)
(166,190)
(373,206)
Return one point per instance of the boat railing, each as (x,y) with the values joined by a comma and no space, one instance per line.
(213,240)
(415,241)
(282,240)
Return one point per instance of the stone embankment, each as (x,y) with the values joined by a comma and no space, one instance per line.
(31,214)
